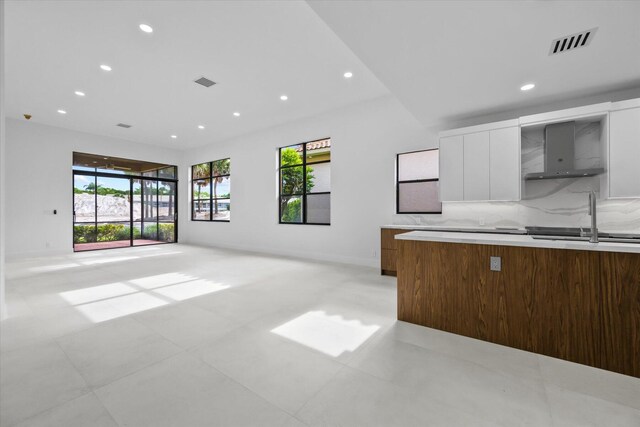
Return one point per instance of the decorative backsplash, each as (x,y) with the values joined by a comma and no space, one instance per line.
(552,202)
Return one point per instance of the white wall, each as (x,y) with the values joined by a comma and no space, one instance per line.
(3,307)
(39,180)
(364,141)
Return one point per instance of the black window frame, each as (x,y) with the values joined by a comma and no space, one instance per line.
(96,173)
(398,182)
(304,193)
(211,199)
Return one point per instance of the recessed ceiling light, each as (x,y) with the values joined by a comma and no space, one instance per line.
(173,136)
(105,67)
(528,86)
(146,28)
(79,93)
(348,75)
(284,97)
(62,112)
(200,127)
(236,114)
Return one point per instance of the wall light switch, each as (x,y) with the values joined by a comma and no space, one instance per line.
(496,263)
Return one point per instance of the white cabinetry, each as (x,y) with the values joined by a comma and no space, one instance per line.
(476,166)
(451,168)
(624,153)
(505,163)
(481,163)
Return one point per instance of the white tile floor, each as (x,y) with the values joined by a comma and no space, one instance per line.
(183,336)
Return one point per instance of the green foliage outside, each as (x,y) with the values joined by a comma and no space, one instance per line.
(292,212)
(101,191)
(220,167)
(214,172)
(114,232)
(205,195)
(164,234)
(105,233)
(107,191)
(292,180)
(201,171)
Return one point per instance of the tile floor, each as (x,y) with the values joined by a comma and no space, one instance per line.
(182,336)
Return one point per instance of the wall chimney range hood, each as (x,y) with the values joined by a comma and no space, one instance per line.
(559,154)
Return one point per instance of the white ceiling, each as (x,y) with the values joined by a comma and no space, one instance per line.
(255,51)
(447,61)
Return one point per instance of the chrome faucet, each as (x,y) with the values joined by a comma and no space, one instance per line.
(592,212)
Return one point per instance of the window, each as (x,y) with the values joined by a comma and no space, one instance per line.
(417,190)
(211,191)
(305,183)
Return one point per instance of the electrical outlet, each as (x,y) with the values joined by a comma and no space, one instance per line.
(375,254)
(481,221)
(496,263)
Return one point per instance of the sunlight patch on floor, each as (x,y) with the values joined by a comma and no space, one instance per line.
(113,308)
(113,300)
(160,280)
(109,260)
(96,293)
(329,334)
(191,289)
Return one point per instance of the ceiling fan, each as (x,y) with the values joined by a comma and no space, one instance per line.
(111,166)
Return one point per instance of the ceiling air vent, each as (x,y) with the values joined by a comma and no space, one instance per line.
(123,125)
(205,82)
(572,42)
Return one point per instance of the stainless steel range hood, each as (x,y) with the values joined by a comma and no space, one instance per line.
(559,154)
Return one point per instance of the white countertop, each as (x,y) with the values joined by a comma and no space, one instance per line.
(516,240)
(505,230)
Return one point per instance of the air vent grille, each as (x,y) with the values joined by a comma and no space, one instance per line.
(572,41)
(205,82)
(123,125)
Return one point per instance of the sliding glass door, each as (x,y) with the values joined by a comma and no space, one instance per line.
(115,210)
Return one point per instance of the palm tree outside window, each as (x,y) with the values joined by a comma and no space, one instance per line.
(211,191)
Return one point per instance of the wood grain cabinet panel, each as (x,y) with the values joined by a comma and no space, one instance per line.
(388,249)
(387,237)
(388,262)
(620,311)
(581,306)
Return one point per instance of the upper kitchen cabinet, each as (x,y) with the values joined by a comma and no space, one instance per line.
(490,162)
(481,163)
(452,168)
(505,163)
(476,166)
(624,150)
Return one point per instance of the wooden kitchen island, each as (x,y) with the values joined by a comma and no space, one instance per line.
(571,300)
